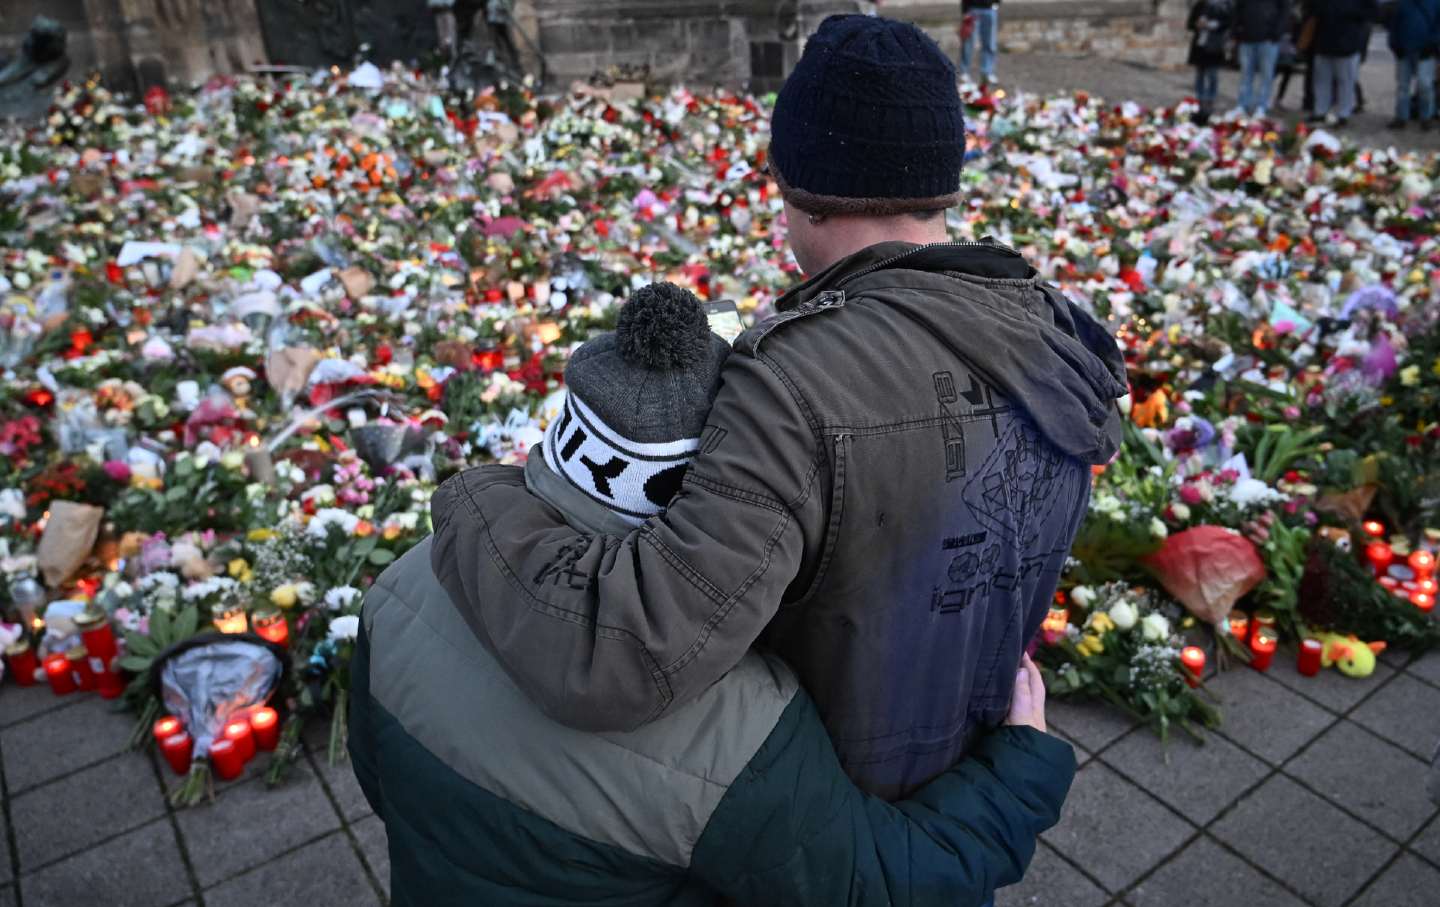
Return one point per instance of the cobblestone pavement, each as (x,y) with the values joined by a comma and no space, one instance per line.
(1115,81)
(1312,793)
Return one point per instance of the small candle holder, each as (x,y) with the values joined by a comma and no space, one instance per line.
(269,624)
(231,619)
(1374,529)
(1262,648)
(178,750)
(238,731)
(1312,652)
(21,657)
(58,674)
(1239,623)
(165,728)
(95,631)
(1054,626)
(265,723)
(225,759)
(1193,660)
(1380,556)
(80,666)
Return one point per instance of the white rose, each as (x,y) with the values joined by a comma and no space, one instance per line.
(1181,511)
(1155,627)
(1083,596)
(1125,614)
(1157,528)
(344,627)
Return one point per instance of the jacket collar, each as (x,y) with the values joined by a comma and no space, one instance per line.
(582,513)
(985,258)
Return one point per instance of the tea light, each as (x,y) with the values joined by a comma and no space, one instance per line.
(1055,624)
(1374,528)
(166,727)
(231,620)
(1239,625)
(1428,586)
(1263,620)
(266,725)
(57,672)
(1193,658)
(1423,563)
(1380,556)
(225,759)
(1262,648)
(1311,652)
(1423,601)
(21,658)
(270,624)
(238,731)
(178,749)
(99,639)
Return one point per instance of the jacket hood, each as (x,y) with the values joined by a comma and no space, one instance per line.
(989,305)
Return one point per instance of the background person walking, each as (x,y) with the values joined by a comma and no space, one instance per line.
(1210,22)
(1260,25)
(1415,40)
(980,24)
(1342,28)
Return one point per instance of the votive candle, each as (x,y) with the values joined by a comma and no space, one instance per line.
(1380,556)
(1423,563)
(1193,658)
(1240,625)
(79,661)
(225,759)
(22,660)
(1312,651)
(108,682)
(270,625)
(168,726)
(1422,600)
(266,725)
(178,749)
(57,672)
(99,639)
(1262,648)
(1374,528)
(238,730)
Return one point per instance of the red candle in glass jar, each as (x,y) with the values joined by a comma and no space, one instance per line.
(165,728)
(225,759)
(1423,563)
(22,661)
(1428,586)
(1380,556)
(1374,528)
(108,682)
(1311,652)
(270,625)
(1193,658)
(1240,625)
(238,730)
(178,749)
(98,637)
(266,725)
(57,671)
(80,666)
(489,360)
(1423,601)
(1262,648)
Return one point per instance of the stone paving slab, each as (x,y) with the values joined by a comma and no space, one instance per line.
(73,813)
(1207,875)
(1427,668)
(1405,712)
(1114,829)
(1408,882)
(374,848)
(1329,688)
(56,743)
(1375,780)
(18,703)
(1093,725)
(6,871)
(141,869)
(326,871)
(1305,842)
(1052,881)
(1427,843)
(1264,716)
(1197,780)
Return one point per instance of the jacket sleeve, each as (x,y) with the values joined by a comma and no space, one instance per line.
(606,633)
(794,830)
(360,741)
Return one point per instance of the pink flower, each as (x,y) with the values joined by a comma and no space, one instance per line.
(117,470)
(1190,494)
(1292,413)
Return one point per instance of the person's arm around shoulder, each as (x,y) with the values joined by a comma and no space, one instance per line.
(794,830)
(607,633)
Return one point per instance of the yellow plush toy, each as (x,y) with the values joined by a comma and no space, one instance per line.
(1349,655)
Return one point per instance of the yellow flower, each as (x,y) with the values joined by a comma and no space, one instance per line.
(285,596)
(239,569)
(1090,645)
(1387,401)
(259,535)
(1436,367)
(1410,375)
(1100,622)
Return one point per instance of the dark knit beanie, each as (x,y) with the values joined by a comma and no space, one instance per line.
(869,122)
(638,400)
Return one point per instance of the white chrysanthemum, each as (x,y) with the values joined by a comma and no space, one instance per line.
(347,626)
(332,516)
(341,598)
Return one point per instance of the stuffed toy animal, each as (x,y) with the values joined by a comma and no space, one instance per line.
(1349,655)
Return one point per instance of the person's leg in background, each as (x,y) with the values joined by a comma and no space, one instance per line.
(1347,74)
(1404,74)
(1425,75)
(967,47)
(1308,104)
(1269,57)
(1249,64)
(1324,78)
(987,27)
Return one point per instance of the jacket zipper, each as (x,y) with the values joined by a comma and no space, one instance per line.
(903,255)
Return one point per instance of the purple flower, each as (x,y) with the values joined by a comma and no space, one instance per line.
(1199,433)
(1377,297)
(1380,363)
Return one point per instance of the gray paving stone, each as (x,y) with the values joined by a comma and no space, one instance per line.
(1408,882)
(1371,778)
(18,703)
(325,872)
(1113,828)
(1299,838)
(1264,716)
(1051,881)
(1406,712)
(1082,755)
(112,797)
(6,871)
(141,869)
(1090,724)
(277,820)
(1330,688)
(340,778)
(1205,874)
(1197,780)
(1427,668)
(1427,844)
(50,745)
(375,847)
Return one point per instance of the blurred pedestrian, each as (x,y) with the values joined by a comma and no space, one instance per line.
(1292,59)
(1260,26)
(1210,21)
(979,24)
(1415,40)
(1342,29)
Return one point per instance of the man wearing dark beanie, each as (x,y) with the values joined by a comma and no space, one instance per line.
(887,486)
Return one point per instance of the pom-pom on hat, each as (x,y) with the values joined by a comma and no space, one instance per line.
(637,402)
(870,122)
